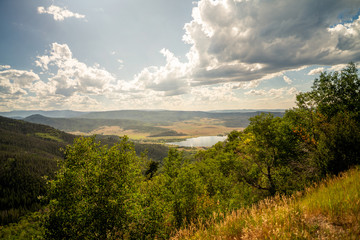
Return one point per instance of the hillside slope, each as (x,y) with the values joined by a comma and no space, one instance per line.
(27,153)
(330,210)
(88,125)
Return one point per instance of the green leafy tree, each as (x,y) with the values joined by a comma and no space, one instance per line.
(95,192)
(334,92)
(339,144)
(329,117)
(270,154)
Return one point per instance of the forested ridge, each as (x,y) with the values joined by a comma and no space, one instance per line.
(109,192)
(28,152)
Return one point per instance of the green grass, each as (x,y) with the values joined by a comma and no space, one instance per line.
(330,210)
(49,136)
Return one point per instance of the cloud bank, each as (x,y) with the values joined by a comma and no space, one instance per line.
(234,46)
(240,41)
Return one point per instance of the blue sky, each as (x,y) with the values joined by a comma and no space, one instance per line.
(169,54)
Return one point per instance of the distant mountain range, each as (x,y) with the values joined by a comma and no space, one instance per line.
(138,119)
(127,114)
(55,114)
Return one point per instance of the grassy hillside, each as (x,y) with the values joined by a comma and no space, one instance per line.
(329,210)
(87,125)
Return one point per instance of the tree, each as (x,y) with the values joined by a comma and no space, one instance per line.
(334,92)
(95,192)
(270,154)
(329,115)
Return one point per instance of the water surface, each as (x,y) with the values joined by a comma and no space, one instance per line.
(205,141)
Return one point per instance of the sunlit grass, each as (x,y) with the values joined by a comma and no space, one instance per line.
(330,210)
(49,136)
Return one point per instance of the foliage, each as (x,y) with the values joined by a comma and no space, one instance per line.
(94,192)
(334,92)
(329,210)
(273,152)
(29,227)
(154,151)
(329,117)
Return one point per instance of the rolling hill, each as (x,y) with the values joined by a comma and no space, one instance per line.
(151,125)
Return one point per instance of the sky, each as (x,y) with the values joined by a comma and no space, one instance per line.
(91,55)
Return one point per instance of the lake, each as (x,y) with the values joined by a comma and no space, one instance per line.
(205,141)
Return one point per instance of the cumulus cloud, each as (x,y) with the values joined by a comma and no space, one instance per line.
(256,92)
(274,92)
(171,78)
(13,82)
(316,71)
(19,77)
(287,80)
(72,75)
(241,41)
(4,67)
(59,13)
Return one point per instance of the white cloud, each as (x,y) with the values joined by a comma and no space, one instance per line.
(4,67)
(242,41)
(316,71)
(337,67)
(171,78)
(250,84)
(221,93)
(287,80)
(19,77)
(121,62)
(14,82)
(72,75)
(59,13)
(274,92)
(292,91)
(256,92)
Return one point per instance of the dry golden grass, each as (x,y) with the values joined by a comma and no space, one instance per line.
(201,127)
(115,130)
(330,210)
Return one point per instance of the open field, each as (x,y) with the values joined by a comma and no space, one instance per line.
(201,127)
(179,130)
(114,130)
